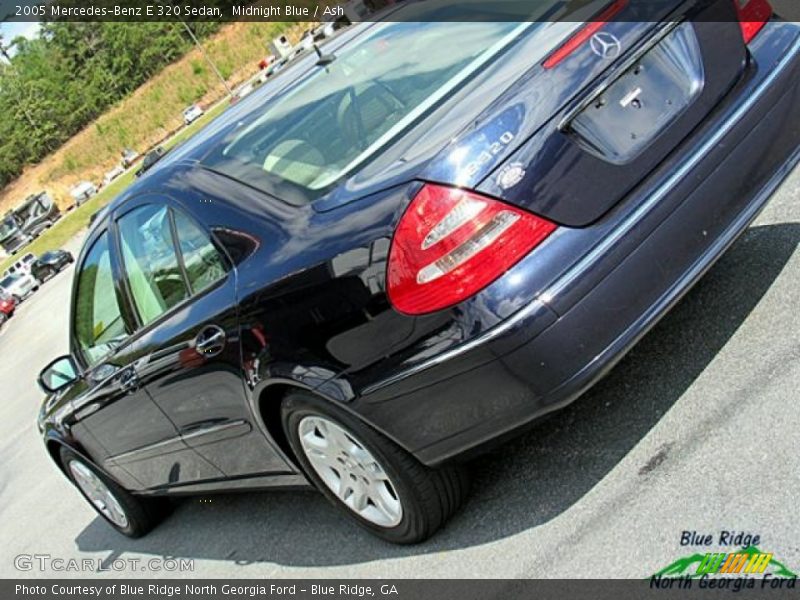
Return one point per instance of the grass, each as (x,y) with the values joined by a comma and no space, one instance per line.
(144,119)
(150,114)
(76,220)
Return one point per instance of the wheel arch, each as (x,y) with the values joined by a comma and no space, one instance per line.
(267,399)
(268,413)
(54,450)
(54,444)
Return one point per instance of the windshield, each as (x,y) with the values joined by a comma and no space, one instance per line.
(9,281)
(344,113)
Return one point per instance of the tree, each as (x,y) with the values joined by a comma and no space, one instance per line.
(56,84)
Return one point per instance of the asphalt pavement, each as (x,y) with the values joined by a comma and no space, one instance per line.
(696,430)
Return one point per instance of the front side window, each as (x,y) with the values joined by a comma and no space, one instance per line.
(151,263)
(98,324)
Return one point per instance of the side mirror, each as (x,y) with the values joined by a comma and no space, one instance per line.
(58,374)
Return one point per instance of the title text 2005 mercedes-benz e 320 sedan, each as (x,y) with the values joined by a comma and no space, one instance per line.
(412,246)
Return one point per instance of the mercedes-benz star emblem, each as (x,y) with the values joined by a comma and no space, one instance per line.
(606,45)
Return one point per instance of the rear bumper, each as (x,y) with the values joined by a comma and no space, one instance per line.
(598,309)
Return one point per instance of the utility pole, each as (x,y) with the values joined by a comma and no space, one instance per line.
(200,47)
(206,56)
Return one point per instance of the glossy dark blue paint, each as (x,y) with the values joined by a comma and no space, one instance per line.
(304,302)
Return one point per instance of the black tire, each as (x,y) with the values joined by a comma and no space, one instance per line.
(142,514)
(3,318)
(17,299)
(429,497)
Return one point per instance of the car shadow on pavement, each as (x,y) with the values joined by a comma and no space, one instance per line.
(516,487)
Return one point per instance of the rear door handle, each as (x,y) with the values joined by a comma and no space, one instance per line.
(210,341)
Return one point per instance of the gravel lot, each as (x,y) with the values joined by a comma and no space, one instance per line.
(695,430)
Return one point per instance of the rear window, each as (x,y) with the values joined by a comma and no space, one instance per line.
(344,113)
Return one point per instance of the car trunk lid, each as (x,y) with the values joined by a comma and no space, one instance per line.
(569,141)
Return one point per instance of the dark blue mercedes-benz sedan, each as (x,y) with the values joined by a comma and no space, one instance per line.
(408,245)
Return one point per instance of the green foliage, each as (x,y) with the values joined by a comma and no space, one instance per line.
(60,82)
(73,222)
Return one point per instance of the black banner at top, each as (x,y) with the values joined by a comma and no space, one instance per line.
(378,10)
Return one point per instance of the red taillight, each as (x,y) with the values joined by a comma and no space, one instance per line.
(580,38)
(753,15)
(452,243)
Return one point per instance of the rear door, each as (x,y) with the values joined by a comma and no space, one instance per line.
(183,291)
(116,420)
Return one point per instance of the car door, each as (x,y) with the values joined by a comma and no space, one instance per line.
(116,420)
(183,291)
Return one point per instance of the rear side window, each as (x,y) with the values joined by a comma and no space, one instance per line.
(202,261)
(98,324)
(152,269)
(342,114)
(167,257)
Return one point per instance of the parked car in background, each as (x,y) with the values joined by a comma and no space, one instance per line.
(21,265)
(266,61)
(12,238)
(360,286)
(7,306)
(82,192)
(129,156)
(113,174)
(19,285)
(192,113)
(242,91)
(150,159)
(27,221)
(49,264)
(306,42)
(272,69)
(39,212)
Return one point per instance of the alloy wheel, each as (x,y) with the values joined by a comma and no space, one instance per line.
(350,471)
(98,493)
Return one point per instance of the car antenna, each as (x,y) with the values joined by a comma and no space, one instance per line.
(324,59)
